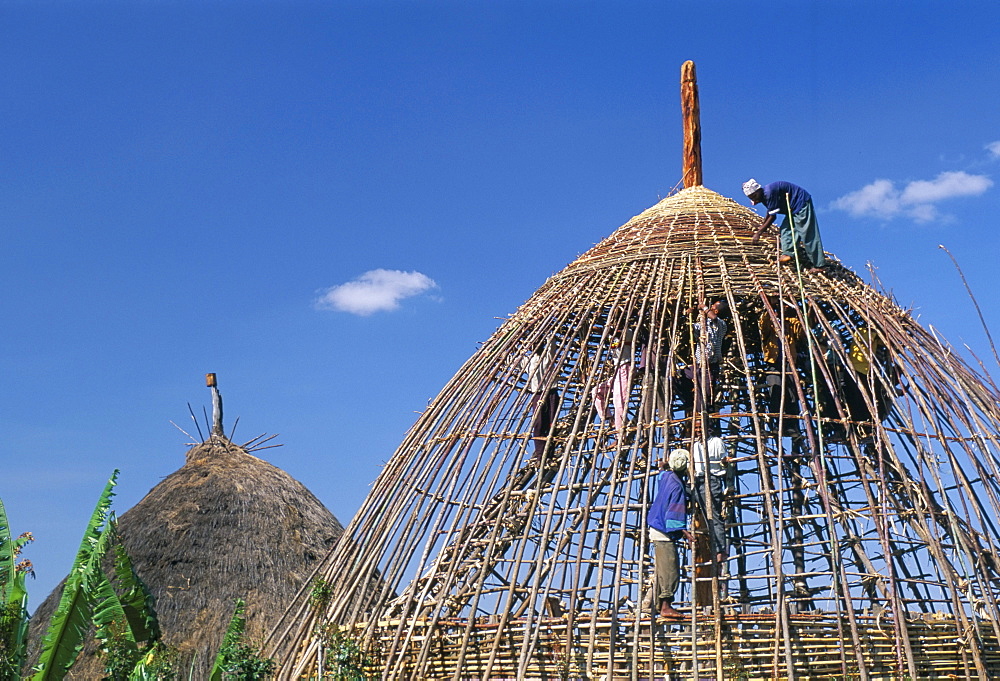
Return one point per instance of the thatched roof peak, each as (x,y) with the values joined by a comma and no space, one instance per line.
(692,199)
(684,223)
(217,449)
(695,230)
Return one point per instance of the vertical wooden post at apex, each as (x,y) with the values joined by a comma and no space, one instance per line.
(691,162)
(212,383)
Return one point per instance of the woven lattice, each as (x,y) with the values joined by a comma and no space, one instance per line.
(860,505)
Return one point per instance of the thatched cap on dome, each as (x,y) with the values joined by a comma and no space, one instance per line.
(226,525)
(693,222)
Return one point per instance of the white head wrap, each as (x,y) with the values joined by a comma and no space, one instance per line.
(679,459)
(750,186)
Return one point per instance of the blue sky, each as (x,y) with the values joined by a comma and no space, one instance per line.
(188,187)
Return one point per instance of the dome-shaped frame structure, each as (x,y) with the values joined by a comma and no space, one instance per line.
(508,530)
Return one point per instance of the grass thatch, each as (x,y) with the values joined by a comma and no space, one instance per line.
(226,525)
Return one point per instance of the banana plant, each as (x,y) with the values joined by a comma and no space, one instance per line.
(121,613)
(71,620)
(239,660)
(13,601)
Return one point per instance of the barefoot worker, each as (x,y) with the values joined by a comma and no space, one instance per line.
(779,198)
(667,522)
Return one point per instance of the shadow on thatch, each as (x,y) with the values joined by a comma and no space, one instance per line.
(226,525)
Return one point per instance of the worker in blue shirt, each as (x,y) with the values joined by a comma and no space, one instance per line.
(782,198)
(667,523)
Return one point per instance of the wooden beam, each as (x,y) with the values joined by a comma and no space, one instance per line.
(692,126)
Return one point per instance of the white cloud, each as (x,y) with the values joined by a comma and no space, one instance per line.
(945,186)
(880,198)
(374,291)
(916,200)
(994,149)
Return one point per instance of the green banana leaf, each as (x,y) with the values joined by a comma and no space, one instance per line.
(11,581)
(107,612)
(136,599)
(123,612)
(13,601)
(234,632)
(141,671)
(72,617)
(7,552)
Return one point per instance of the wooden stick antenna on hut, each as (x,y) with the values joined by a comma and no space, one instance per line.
(212,383)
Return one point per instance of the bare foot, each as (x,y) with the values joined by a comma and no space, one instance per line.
(667,610)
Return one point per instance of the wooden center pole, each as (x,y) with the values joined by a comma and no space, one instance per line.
(691,111)
(212,383)
(704,556)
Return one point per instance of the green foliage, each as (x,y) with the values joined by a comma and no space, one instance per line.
(345,659)
(118,641)
(13,600)
(70,622)
(321,593)
(735,670)
(160,663)
(123,613)
(136,600)
(12,642)
(120,611)
(121,654)
(239,660)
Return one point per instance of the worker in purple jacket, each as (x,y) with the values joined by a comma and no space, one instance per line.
(667,521)
(795,203)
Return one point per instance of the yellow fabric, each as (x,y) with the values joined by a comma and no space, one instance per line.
(863,345)
(771,341)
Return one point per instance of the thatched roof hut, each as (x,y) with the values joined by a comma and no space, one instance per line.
(862,500)
(226,525)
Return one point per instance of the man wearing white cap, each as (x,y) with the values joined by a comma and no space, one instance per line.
(667,523)
(795,203)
